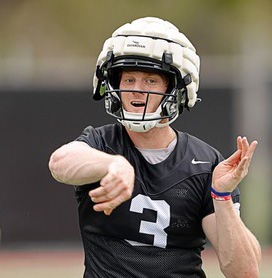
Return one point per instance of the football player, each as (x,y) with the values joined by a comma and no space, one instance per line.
(150,196)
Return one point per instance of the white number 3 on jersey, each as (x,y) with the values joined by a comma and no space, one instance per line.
(141,202)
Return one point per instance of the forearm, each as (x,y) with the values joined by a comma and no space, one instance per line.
(77,164)
(237,249)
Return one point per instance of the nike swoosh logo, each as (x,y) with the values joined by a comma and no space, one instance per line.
(199,161)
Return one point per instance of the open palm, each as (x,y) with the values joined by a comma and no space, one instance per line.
(230,172)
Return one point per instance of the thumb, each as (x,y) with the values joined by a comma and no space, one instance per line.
(108,211)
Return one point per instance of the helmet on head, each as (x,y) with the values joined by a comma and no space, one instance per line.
(148,44)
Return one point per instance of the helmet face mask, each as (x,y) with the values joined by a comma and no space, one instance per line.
(127,50)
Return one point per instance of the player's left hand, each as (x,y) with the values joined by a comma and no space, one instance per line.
(230,172)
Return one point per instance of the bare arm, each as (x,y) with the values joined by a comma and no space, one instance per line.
(237,249)
(78,164)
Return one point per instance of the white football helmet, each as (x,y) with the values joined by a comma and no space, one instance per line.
(149,44)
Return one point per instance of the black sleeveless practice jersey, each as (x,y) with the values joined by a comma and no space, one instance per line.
(158,232)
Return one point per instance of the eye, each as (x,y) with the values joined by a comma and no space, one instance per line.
(151,81)
(128,80)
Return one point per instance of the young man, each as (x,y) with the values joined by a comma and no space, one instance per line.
(149,195)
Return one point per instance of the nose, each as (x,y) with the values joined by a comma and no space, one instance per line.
(139,86)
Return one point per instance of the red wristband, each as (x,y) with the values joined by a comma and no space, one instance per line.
(220,196)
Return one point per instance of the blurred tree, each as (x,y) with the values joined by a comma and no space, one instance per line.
(66,27)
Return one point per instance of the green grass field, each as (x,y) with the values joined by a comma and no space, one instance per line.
(68,263)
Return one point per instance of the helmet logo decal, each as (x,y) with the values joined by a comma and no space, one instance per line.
(135,44)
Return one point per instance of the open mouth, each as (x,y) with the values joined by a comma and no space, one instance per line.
(138,103)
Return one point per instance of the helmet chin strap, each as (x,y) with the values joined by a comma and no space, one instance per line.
(134,122)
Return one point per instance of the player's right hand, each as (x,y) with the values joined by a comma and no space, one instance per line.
(115,187)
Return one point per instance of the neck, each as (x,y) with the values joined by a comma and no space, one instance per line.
(156,138)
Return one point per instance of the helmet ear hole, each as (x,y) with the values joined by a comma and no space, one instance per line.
(182,99)
(112,103)
(169,106)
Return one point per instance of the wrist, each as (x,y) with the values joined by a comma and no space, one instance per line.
(220,196)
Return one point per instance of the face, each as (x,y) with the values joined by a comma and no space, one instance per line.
(142,81)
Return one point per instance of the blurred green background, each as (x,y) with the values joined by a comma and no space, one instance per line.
(50,47)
